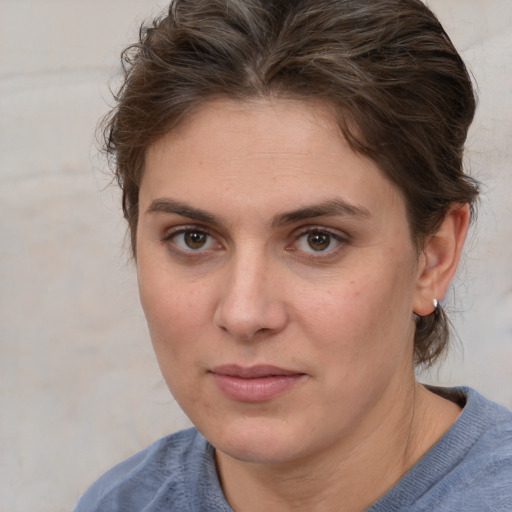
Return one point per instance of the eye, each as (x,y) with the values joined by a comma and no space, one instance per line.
(192,240)
(318,241)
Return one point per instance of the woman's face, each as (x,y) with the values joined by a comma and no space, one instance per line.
(278,277)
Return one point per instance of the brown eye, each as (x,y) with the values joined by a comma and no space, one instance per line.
(319,241)
(195,239)
(192,240)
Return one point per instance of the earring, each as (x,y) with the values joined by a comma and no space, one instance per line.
(435,303)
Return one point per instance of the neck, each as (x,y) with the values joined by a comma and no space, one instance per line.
(352,474)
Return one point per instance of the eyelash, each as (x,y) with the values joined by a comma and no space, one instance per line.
(334,236)
(339,240)
(172,234)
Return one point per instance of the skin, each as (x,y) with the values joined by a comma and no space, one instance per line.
(244,282)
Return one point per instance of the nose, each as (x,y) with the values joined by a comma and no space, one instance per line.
(250,302)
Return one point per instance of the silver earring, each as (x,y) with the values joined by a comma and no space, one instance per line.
(435,303)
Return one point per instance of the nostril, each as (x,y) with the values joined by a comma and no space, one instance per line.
(247,312)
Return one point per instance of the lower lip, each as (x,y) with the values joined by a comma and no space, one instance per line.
(259,389)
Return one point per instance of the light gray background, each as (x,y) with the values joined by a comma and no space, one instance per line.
(79,387)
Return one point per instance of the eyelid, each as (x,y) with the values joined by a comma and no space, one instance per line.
(174,231)
(182,228)
(340,237)
(314,228)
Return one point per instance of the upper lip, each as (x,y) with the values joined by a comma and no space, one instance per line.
(253,372)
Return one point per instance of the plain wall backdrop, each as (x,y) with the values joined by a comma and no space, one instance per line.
(79,386)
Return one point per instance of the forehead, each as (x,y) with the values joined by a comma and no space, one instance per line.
(266,126)
(267,152)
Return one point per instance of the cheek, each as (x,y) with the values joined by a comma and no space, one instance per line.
(364,317)
(176,310)
(361,341)
(176,314)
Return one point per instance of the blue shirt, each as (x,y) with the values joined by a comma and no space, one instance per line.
(469,469)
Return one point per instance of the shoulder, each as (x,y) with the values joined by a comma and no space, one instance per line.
(486,470)
(469,468)
(477,474)
(163,473)
(483,429)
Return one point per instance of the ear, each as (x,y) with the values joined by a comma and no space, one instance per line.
(439,259)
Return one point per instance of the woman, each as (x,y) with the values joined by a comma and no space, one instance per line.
(292,179)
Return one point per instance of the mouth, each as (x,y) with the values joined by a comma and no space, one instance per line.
(256,383)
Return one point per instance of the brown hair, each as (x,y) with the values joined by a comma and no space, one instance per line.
(402,94)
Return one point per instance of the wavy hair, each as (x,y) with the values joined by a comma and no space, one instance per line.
(401,93)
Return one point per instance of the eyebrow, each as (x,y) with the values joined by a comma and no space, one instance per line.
(171,206)
(329,208)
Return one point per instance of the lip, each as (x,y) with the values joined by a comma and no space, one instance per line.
(255,383)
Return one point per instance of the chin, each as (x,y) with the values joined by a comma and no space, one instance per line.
(257,440)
